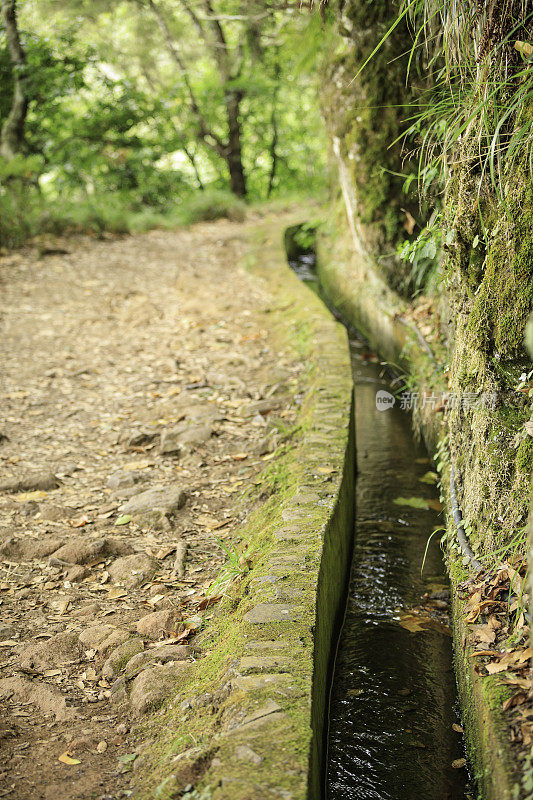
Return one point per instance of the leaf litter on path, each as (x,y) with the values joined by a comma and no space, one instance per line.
(184,358)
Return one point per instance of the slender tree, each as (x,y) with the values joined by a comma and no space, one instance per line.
(211,30)
(12,134)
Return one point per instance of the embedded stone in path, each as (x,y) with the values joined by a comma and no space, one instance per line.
(245,753)
(141,437)
(120,656)
(48,699)
(114,639)
(268,644)
(288,533)
(166,499)
(122,478)
(57,651)
(30,482)
(91,638)
(133,570)
(83,551)
(158,655)
(305,498)
(152,687)
(264,663)
(25,549)
(175,440)
(270,612)
(158,623)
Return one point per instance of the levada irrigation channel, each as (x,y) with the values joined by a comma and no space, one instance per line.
(394,731)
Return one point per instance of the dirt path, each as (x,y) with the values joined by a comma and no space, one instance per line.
(126,365)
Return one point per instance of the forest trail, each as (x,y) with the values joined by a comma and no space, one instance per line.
(127,365)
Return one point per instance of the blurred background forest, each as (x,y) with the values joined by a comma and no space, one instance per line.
(127,114)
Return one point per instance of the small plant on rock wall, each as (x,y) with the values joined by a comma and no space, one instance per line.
(424,253)
(475,112)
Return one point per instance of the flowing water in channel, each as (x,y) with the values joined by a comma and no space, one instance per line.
(393,696)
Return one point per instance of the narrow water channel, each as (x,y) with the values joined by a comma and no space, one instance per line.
(393,698)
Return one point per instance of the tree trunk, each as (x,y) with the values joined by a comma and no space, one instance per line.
(274,126)
(237,177)
(12,136)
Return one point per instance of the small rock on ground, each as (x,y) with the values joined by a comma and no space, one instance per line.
(81,551)
(153,686)
(134,570)
(159,623)
(167,499)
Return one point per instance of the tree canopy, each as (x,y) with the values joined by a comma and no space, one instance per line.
(147,101)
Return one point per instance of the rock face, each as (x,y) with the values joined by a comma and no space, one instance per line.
(152,687)
(166,499)
(132,571)
(155,625)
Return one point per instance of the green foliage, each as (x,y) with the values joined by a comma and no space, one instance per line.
(305,236)
(126,132)
(211,205)
(236,567)
(480,87)
(424,254)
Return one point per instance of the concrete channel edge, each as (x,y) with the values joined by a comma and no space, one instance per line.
(250,721)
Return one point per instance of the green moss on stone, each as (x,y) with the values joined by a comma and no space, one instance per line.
(366,113)
(504,297)
(524,456)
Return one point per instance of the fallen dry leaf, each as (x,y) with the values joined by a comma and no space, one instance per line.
(27,497)
(80,522)
(142,464)
(516,699)
(66,758)
(116,592)
(495,667)
(208,601)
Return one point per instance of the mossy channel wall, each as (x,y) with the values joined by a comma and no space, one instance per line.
(249,721)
